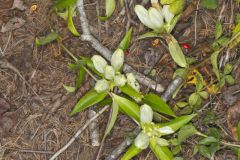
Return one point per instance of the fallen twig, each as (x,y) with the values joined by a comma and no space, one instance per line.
(78,133)
(106,53)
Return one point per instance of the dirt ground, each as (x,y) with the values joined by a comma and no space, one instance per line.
(28,129)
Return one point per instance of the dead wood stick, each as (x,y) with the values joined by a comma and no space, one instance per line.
(106,53)
(78,133)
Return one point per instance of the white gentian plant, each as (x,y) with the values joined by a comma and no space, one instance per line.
(109,81)
(162,18)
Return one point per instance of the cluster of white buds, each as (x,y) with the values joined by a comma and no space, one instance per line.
(143,138)
(112,73)
(155,17)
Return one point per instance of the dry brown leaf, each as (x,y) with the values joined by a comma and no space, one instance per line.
(13,24)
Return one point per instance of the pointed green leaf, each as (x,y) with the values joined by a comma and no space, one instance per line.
(128,90)
(186,132)
(80,77)
(110,7)
(177,122)
(47,39)
(158,104)
(161,152)
(218,29)
(131,152)
(124,44)
(69,89)
(176,52)
(71,27)
(128,107)
(214,61)
(148,35)
(208,141)
(89,99)
(112,119)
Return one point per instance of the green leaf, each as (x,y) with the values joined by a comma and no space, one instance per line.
(162,152)
(170,27)
(229,79)
(47,39)
(158,104)
(185,132)
(181,104)
(128,107)
(128,90)
(177,122)
(228,68)
(176,52)
(208,141)
(124,44)
(181,72)
(238,131)
(148,35)
(80,77)
(177,7)
(203,94)
(89,99)
(194,99)
(205,151)
(236,30)
(71,27)
(214,132)
(69,89)
(61,4)
(214,61)
(131,152)
(106,101)
(210,4)
(218,29)
(110,7)
(112,119)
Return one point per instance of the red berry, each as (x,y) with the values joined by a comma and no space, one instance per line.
(185,45)
(126,52)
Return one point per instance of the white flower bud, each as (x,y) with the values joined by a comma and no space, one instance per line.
(120,80)
(143,16)
(146,114)
(142,141)
(99,63)
(156,17)
(117,59)
(109,72)
(132,81)
(168,16)
(101,85)
(166,130)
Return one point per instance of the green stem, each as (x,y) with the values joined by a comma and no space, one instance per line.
(75,58)
(69,52)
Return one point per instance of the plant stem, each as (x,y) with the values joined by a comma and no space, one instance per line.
(75,58)
(69,52)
